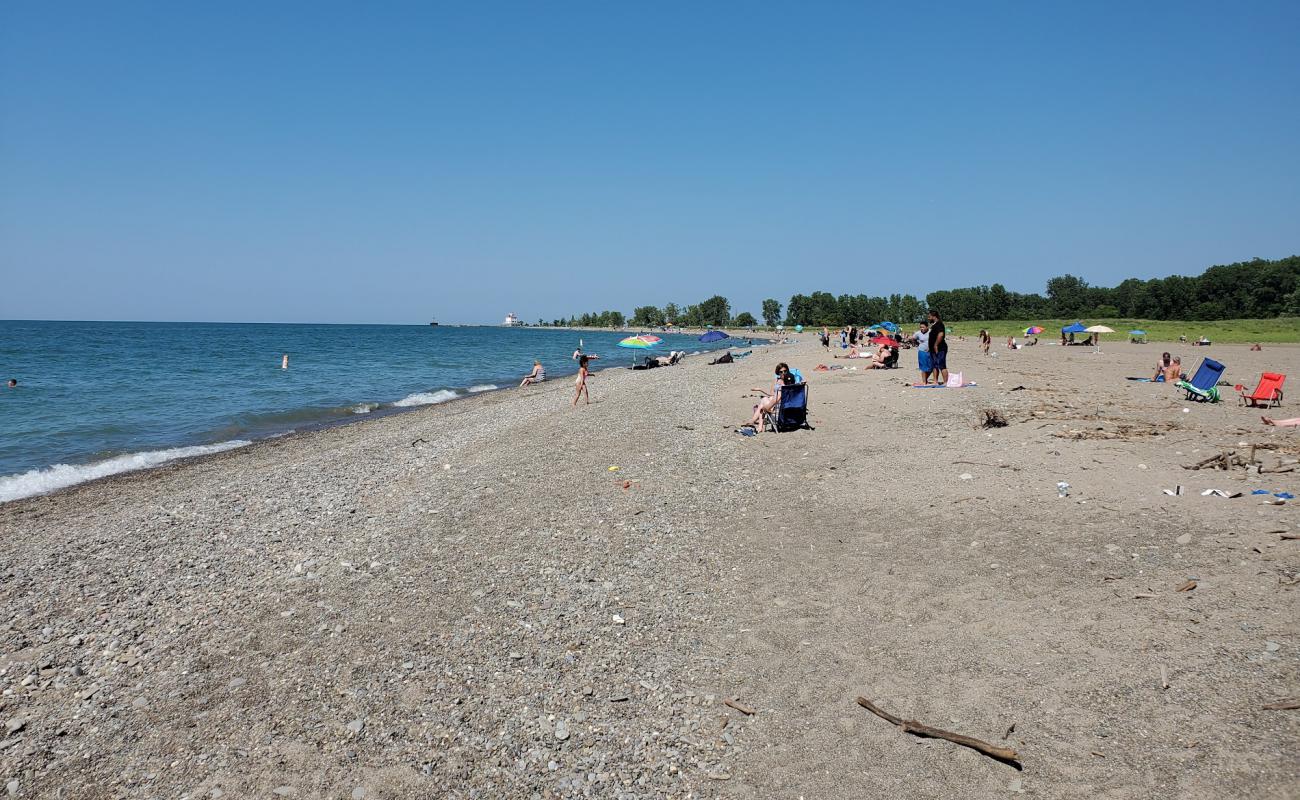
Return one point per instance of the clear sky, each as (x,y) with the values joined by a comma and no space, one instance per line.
(391,162)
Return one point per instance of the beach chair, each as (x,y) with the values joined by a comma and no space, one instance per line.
(1269,391)
(792,412)
(1203,385)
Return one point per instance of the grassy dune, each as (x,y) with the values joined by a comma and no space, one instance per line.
(1226,331)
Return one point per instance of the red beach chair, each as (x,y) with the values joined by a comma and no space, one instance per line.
(1269,391)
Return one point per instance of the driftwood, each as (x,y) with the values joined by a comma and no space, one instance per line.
(739,706)
(1004,754)
(1290,704)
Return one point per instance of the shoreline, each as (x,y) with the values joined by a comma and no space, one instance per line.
(227,446)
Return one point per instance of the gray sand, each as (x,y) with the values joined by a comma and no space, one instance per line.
(493,612)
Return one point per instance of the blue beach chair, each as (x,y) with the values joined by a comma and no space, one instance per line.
(1203,385)
(792,412)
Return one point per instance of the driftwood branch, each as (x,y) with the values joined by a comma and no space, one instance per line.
(1290,704)
(1004,754)
(735,703)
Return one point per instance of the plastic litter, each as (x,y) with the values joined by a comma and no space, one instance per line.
(1062,489)
(1261,491)
(614,469)
(747,431)
(1174,492)
(1219,493)
(1284,495)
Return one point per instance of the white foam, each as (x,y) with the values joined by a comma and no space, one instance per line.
(42,481)
(425,398)
(484,387)
(363,408)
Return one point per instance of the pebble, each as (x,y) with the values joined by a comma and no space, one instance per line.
(12,788)
(359,793)
(356,725)
(1184,539)
(235,683)
(14,725)
(1272,647)
(284,791)
(561,731)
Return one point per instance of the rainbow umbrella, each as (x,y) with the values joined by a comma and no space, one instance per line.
(641,342)
(1033,330)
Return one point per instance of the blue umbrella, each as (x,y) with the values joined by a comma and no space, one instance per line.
(1077,327)
(1137,333)
(714,336)
(889,326)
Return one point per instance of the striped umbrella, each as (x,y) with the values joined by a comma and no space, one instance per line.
(642,342)
(1033,330)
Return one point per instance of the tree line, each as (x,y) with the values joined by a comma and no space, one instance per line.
(1256,289)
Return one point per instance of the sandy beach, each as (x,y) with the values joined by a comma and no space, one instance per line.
(503,596)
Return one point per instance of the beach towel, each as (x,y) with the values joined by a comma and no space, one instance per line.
(943,385)
(955,381)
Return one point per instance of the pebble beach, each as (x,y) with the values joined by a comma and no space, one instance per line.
(504,596)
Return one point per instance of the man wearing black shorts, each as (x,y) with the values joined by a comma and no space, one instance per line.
(938,348)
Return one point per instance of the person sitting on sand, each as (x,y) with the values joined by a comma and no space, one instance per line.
(1294,422)
(881,359)
(770,401)
(536,376)
(1255,348)
(1174,371)
(1162,367)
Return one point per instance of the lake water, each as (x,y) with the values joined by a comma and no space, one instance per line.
(96,398)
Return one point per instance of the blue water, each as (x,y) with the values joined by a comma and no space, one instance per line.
(91,391)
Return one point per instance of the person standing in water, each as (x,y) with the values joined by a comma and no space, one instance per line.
(284,362)
(581,383)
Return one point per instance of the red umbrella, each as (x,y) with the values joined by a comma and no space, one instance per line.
(885,340)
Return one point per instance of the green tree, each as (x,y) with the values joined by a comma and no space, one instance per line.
(745,320)
(647,317)
(715,311)
(771,313)
(799,312)
(672,314)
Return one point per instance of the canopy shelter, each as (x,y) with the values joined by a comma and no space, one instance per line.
(1075,327)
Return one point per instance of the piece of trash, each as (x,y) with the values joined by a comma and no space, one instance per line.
(614,469)
(966,476)
(1284,495)
(1174,492)
(1274,501)
(618,620)
(1187,411)
(747,431)
(627,484)
(1219,493)
(1187,586)
(1062,489)
(1261,491)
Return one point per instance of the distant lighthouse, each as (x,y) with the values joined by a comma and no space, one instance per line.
(511,320)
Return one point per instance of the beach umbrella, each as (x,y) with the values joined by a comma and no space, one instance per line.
(885,340)
(798,329)
(889,326)
(641,342)
(1098,329)
(1033,330)
(714,336)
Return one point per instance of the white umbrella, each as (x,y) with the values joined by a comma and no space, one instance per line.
(1099,329)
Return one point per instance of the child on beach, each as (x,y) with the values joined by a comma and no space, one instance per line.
(581,382)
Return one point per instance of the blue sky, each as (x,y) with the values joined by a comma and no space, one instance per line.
(389,162)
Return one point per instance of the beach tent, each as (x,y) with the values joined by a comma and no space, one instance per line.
(1075,327)
(889,326)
